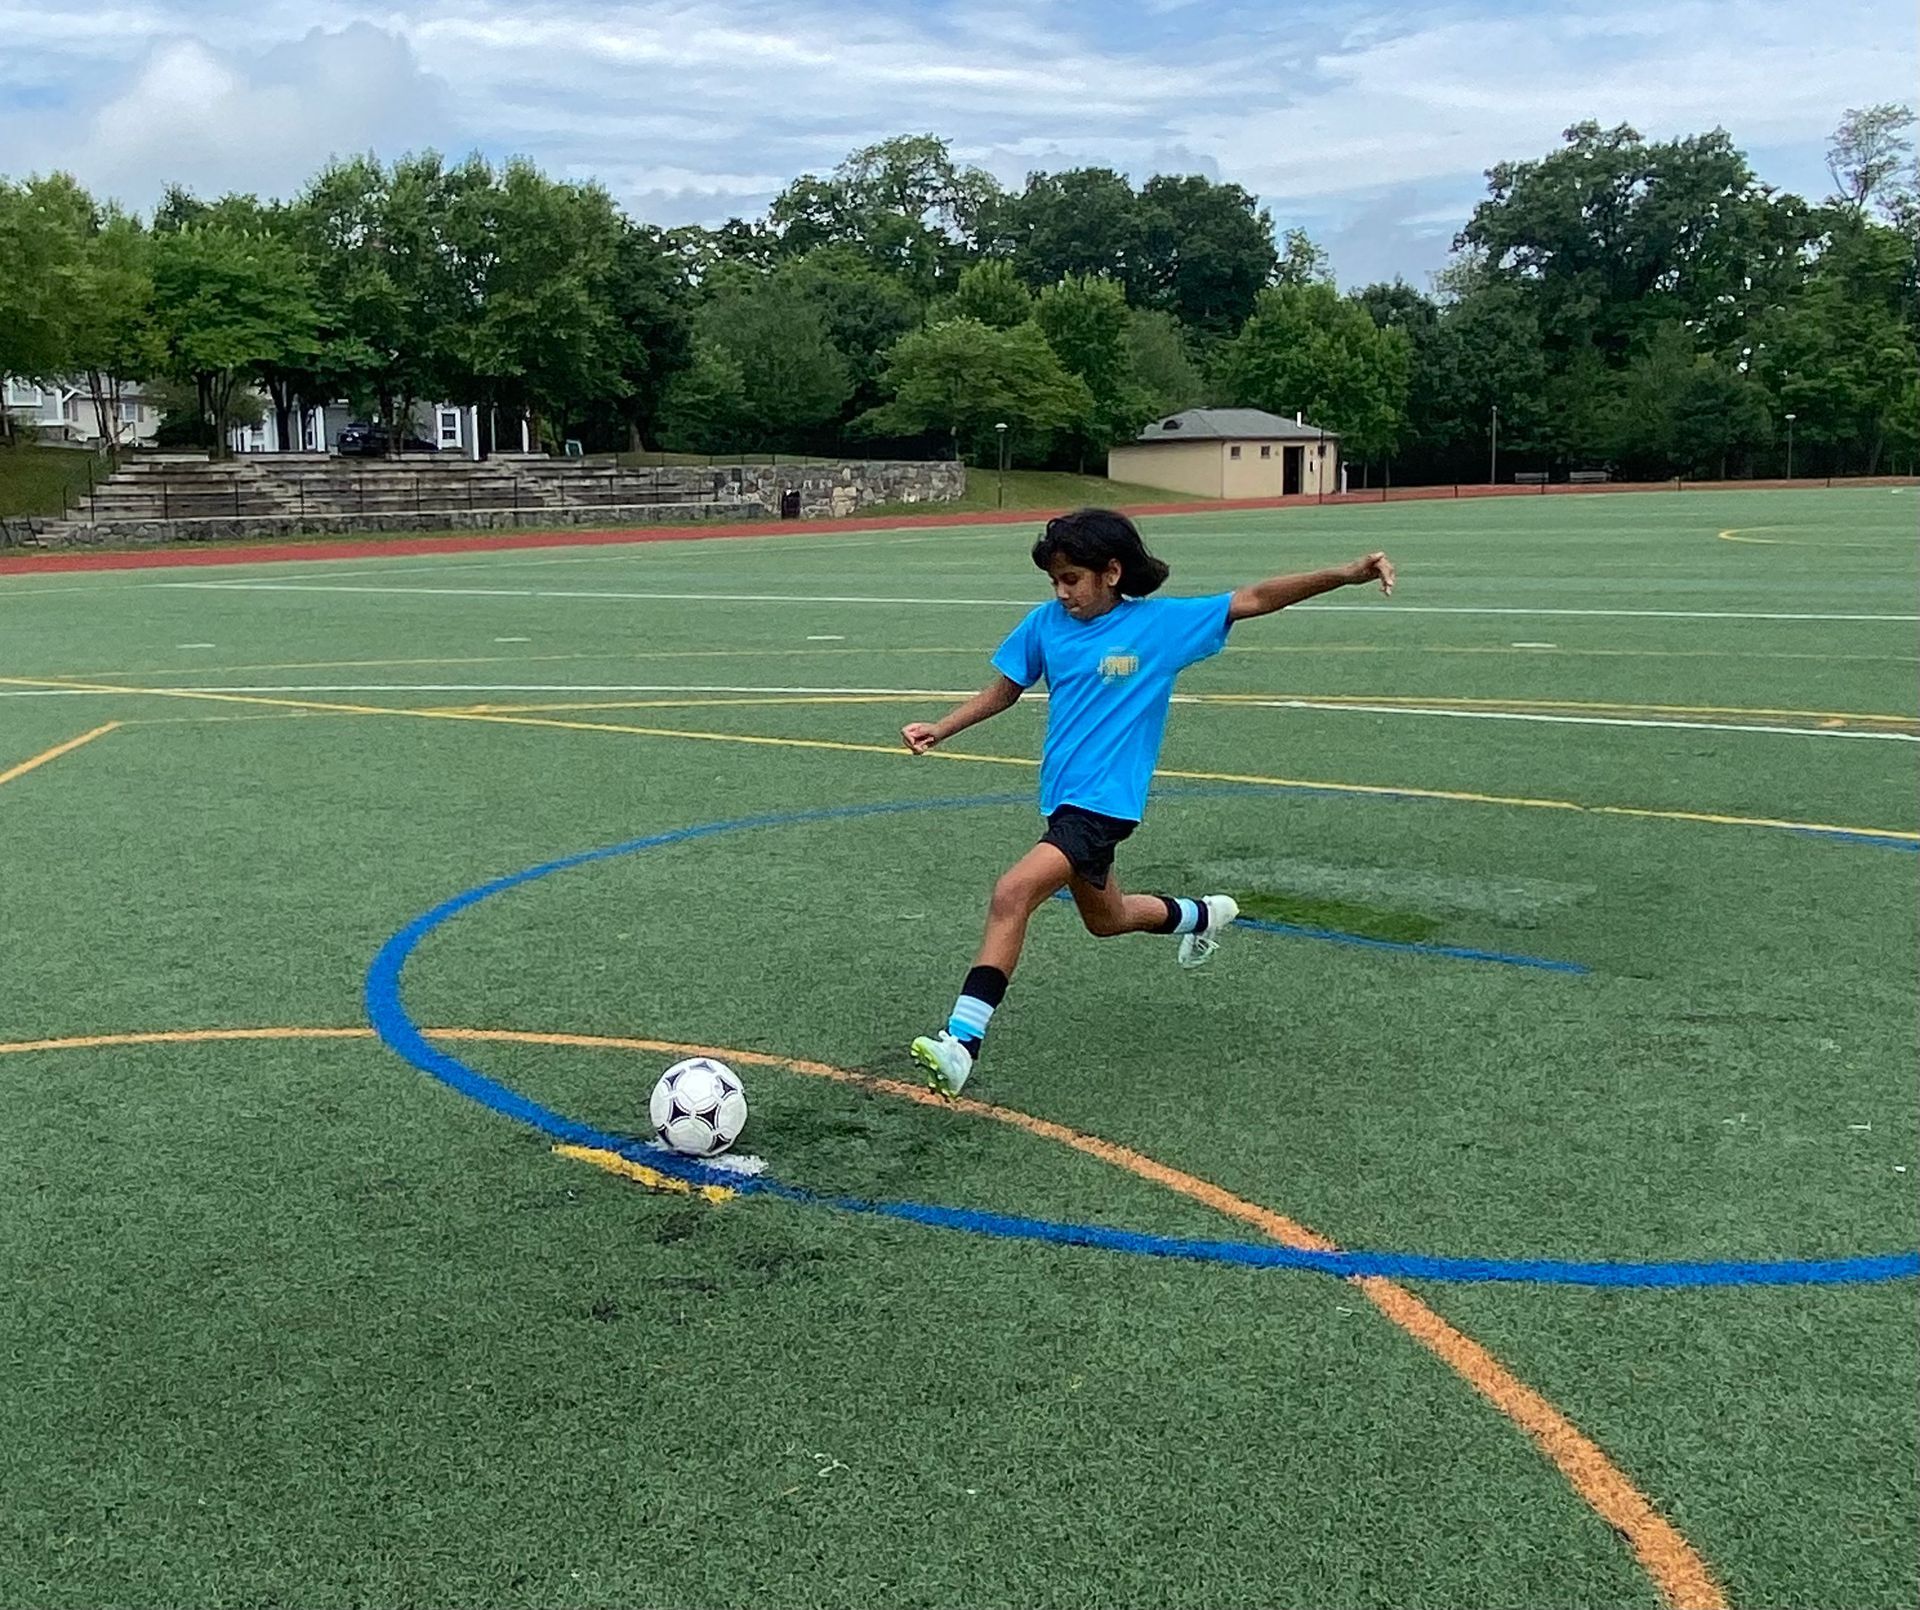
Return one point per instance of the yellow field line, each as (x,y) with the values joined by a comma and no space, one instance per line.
(1229,700)
(669,704)
(55,752)
(1675,1567)
(640,1174)
(1373,790)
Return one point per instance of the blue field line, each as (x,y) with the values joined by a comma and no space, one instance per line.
(391,1022)
(1349,1265)
(1878,841)
(1339,936)
(1463,953)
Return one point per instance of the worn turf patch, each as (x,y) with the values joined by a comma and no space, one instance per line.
(1340,916)
(1499,894)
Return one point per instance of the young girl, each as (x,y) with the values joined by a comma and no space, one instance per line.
(1109,655)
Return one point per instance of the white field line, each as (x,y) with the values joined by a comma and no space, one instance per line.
(1233,701)
(1580,721)
(1382,609)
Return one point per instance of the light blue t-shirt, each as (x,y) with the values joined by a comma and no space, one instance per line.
(1109,682)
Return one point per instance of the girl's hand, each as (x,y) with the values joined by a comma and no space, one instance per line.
(919,736)
(1365,570)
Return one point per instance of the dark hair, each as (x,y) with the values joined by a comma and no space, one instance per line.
(1095,538)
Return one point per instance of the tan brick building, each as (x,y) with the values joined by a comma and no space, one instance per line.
(1231,453)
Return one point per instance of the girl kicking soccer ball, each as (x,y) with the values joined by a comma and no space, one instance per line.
(1109,655)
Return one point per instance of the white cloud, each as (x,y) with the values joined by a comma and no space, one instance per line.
(1370,122)
(1459,95)
(217,120)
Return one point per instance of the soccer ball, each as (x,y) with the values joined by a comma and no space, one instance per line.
(699,1107)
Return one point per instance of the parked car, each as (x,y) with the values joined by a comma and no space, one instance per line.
(373,441)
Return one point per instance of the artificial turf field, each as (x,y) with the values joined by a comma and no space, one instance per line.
(290,1322)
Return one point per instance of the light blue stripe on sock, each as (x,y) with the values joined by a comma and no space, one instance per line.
(971,1015)
(1189,915)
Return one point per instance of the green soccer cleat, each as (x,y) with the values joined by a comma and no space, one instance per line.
(1222,910)
(946,1060)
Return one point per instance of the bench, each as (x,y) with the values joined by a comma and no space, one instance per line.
(1530,478)
(1588,477)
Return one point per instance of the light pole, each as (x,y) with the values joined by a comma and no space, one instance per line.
(1790,420)
(1493,452)
(1000,481)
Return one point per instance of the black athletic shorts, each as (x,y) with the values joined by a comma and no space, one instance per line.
(1086,839)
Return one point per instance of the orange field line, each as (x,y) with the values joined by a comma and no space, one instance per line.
(1676,1569)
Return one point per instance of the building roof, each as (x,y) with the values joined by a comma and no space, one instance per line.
(1232,424)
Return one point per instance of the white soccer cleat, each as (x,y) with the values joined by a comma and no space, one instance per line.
(946,1060)
(1222,909)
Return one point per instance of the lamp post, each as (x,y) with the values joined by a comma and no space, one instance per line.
(1790,420)
(1000,481)
(1493,452)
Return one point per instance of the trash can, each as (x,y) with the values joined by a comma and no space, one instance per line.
(790,504)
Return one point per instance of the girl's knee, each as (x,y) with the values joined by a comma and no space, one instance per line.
(1012,896)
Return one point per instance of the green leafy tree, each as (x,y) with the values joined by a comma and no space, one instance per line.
(959,378)
(227,301)
(1307,349)
(1611,236)
(1483,353)
(902,203)
(652,308)
(387,297)
(1208,250)
(44,226)
(794,380)
(1085,319)
(1720,419)
(115,338)
(1082,221)
(1841,354)
(704,409)
(1163,368)
(1302,261)
(992,293)
(864,310)
(536,261)
(1868,156)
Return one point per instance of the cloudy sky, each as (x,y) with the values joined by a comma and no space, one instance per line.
(1369,125)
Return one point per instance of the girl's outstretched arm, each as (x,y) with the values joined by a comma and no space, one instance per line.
(1264,597)
(1002,693)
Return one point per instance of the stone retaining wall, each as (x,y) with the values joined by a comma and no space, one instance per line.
(231,528)
(279,495)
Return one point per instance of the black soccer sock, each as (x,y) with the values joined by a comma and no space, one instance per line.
(1183,916)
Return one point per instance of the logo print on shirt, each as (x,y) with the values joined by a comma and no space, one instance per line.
(1118,667)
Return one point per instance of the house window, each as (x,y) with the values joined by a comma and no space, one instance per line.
(1266,452)
(129,413)
(1234,451)
(23,394)
(449,427)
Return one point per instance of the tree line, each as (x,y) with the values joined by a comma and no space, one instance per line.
(1646,305)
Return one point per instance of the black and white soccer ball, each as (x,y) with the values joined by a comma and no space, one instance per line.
(699,1107)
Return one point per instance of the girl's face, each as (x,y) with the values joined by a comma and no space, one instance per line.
(1084,594)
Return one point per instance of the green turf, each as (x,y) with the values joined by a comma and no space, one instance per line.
(290,1322)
